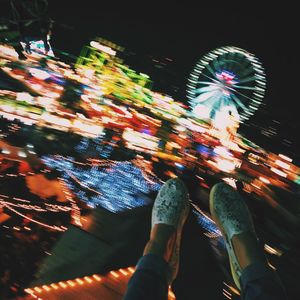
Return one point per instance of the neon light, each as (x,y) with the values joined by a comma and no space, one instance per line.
(103,48)
(285,157)
(34,221)
(282,164)
(277,171)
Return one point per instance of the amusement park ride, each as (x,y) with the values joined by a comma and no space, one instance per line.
(226,86)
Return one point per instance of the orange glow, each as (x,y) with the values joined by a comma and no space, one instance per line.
(79,281)
(234,290)
(285,157)
(123,272)
(88,279)
(271,266)
(62,284)
(29,291)
(263,179)
(272,250)
(71,283)
(98,278)
(113,273)
(279,172)
(54,286)
(282,164)
(46,288)
(131,270)
(171,294)
(37,289)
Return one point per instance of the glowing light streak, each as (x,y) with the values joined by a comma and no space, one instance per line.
(278,172)
(34,221)
(265,180)
(272,250)
(285,157)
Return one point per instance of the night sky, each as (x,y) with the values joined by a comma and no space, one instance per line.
(185,32)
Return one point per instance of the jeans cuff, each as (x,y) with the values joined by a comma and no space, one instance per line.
(154,263)
(255,271)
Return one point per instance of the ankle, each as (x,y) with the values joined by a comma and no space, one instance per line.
(161,242)
(247,249)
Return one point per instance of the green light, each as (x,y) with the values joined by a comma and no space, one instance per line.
(144,75)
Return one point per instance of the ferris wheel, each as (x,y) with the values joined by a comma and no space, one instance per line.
(226,79)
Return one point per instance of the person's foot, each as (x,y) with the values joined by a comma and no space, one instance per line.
(233,218)
(169,213)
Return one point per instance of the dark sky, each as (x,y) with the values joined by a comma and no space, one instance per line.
(184,33)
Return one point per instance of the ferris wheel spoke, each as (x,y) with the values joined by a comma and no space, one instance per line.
(211,71)
(246,72)
(216,65)
(207,82)
(243,87)
(243,95)
(237,66)
(212,79)
(209,88)
(239,102)
(247,79)
(205,96)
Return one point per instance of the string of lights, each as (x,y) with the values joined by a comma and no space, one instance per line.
(113,185)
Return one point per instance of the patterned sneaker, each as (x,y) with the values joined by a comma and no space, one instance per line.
(232,216)
(171,207)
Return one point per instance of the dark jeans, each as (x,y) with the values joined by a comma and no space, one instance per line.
(149,281)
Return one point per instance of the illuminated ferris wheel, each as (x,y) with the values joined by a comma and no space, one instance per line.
(227,79)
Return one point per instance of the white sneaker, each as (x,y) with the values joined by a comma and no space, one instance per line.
(171,207)
(232,217)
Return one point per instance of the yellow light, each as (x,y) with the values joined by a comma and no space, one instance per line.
(280,173)
(234,290)
(88,279)
(37,289)
(123,272)
(131,270)
(46,288)
(98,278)
(29,291)
(271,266)
(79,281)
(54,286)
(265,180)
(113,273)
(171,294)
(282,164)
(63,285)
(71,283)
(272,250)
(285,157)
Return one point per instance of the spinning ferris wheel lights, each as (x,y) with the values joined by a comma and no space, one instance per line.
(229,79)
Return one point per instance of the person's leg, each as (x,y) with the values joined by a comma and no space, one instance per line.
(249,266)
(149,281)
(159,265)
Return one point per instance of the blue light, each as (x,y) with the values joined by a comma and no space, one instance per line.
(117,187)
(210,227)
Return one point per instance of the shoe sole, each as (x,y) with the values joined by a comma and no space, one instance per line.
(229,248)
(176,255)
(174,260)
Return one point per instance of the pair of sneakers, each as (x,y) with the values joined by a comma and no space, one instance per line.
(228,209)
